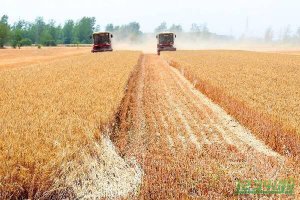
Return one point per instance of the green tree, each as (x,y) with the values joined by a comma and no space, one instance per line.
(83,29)
(68,32)
(4,30)
(38,28)
(109,28)
(16,37)
(52,29)
(20,34)
(134,28)
(51,34)
(26,42)
(47,39)
(161,28)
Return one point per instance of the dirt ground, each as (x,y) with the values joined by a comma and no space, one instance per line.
(187,146)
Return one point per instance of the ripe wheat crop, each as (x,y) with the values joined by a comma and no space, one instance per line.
(51,115)
(260,89)
(31,55)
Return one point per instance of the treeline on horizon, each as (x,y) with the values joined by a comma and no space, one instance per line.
(39,32)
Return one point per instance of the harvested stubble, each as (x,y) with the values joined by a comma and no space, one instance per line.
(51,115)
(188,147)
(260,89)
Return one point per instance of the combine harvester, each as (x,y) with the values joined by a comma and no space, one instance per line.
(165,42)
(102,42)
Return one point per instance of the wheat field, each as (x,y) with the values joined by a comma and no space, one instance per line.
(51,114)
(127,125)
(31,55)
(260,89)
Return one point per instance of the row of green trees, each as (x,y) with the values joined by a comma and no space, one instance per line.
(24,33)
(39,32)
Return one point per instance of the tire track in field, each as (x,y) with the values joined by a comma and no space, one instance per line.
(187,145)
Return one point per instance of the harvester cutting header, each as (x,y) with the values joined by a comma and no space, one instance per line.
(165,42)
(102,42)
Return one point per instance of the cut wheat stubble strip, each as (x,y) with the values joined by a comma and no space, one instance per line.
(211,122)
(179,112)
(194,110)
(239,131)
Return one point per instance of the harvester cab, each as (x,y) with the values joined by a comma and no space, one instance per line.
(165,42)
(102,42)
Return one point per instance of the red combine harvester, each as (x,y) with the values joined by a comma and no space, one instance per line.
(165,42)
(102,42)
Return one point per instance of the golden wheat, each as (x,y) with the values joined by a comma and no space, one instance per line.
(260,89)
(32,55)
(187,146)
(51,112)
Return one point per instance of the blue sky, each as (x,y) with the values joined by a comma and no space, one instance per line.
(221,16)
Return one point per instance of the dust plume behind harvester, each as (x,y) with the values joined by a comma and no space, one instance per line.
(102,42)
(165,42)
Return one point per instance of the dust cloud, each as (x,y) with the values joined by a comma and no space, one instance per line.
(147,44)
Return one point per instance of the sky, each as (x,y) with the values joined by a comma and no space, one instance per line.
(228,17)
